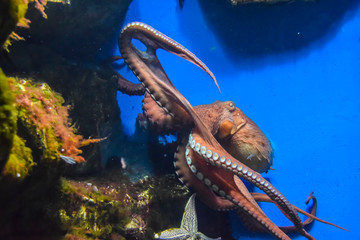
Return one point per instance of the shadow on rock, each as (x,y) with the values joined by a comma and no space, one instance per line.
(257,30)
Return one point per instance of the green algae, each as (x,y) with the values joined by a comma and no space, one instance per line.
(87,214)
(13,14)
(44,129)
(20,160)
(7,120)
(111,206)
(42,109)
(35,130)
(30,177)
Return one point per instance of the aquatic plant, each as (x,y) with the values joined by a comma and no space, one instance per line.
(91,212)
(14,15)
(110,205)
(39,106)
(75,75)
(38,110)
(43,126)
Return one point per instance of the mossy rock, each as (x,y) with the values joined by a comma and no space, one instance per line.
(7,120)
(90,212)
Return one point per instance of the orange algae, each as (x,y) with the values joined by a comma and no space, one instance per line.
(16,9)
(42,108)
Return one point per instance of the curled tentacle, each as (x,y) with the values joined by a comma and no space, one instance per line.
(224,184)
(124,85)
(219,157)
(160,121)
(311,216)
(128,87)
(147,68)
(187,177)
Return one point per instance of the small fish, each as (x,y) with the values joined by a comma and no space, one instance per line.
(123,163)
(61,1)
(68,160)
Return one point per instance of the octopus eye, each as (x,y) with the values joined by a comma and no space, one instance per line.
(231,106)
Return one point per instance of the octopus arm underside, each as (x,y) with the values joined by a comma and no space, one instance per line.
(220,167)
(228,196)
(206,194)
(147,68)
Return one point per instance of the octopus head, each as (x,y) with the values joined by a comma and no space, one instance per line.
(238,134)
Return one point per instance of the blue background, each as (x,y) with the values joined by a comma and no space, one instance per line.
(294,70)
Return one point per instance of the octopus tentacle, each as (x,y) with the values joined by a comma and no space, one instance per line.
(124,85)
(205,194)
(129,88)
(154,39)
(219,157)
(160,121)
(222,182)
(147,68)
(259,197)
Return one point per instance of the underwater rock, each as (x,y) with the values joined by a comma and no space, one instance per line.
(107,206)
(31,174)
(157,203)
(43,120)
(51,46)
(236,2)
(7,120)
(78,84)
(119,209)
(12,14)
(43,132)
(88,214)
(283,29)
(78,30)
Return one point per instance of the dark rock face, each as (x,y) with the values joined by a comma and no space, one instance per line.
(79,30)
(65,51)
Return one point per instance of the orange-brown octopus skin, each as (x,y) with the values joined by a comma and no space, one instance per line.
(224,143)
(224,165)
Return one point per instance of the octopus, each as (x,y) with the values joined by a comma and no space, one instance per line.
(218,145)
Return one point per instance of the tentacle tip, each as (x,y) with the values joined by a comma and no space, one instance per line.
(347,230)
(214,78)
(311,196)
(217,85)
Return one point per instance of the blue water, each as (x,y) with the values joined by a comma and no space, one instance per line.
(292,68)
